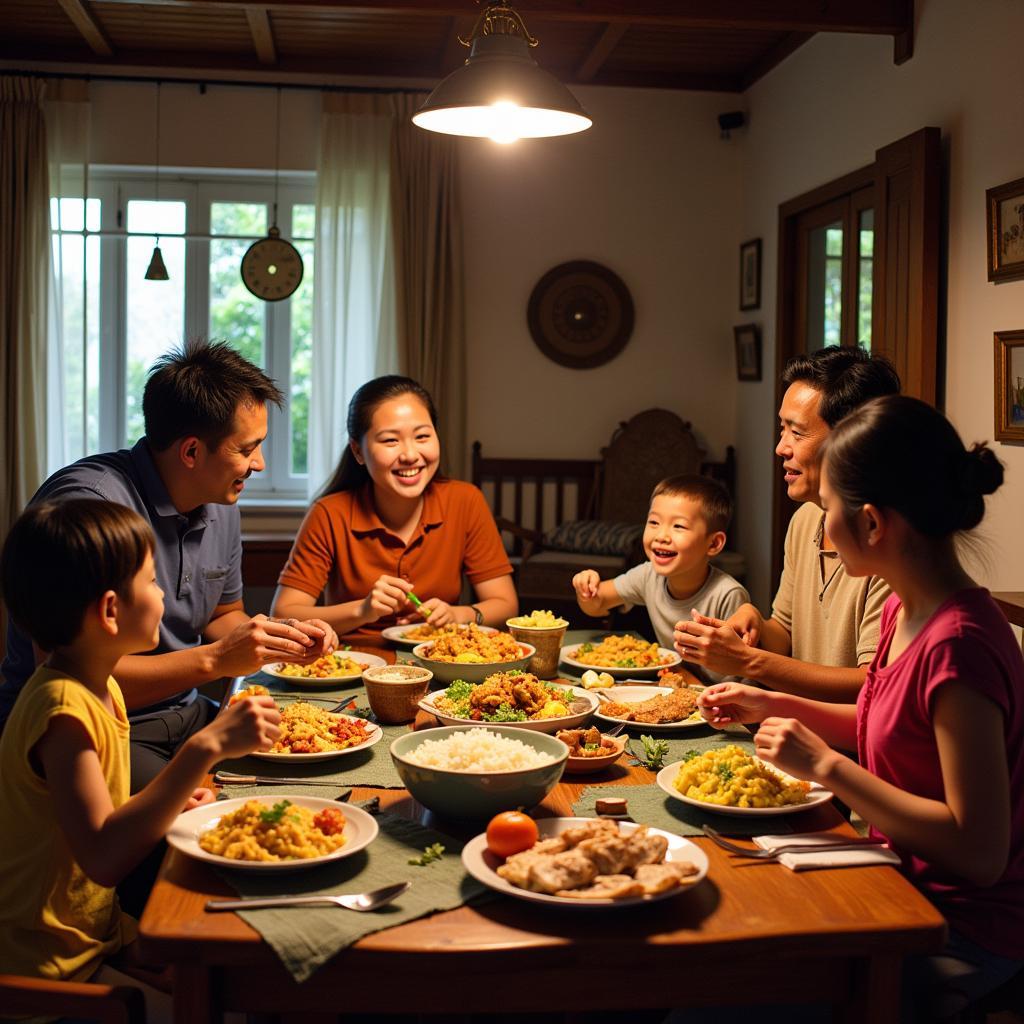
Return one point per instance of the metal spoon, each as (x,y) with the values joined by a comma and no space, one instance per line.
(362,901)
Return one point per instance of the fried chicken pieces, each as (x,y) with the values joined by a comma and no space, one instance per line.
(596,861)
(521,690)
(676,706)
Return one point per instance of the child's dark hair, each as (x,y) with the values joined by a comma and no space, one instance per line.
(349,473)
(194,391)
(60,557)
(713,498)
(900,453)
(845,377)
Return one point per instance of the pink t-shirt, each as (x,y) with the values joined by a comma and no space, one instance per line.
(967,640)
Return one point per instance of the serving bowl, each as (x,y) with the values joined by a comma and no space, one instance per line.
(548,725)
(478,795)
(449,671)
(613,745)
(394,691)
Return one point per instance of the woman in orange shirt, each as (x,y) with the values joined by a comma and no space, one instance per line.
(388,524)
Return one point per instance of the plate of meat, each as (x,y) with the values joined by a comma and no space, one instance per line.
(591,862)
(651,708)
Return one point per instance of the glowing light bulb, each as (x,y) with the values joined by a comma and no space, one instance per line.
(504,123)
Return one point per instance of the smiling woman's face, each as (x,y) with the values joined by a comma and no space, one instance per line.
(401,450)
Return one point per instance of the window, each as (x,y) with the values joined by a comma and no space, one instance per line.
(114,323)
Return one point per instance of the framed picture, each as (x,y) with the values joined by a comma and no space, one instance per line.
(750,274)
(1005,221)
(1010,386)
(748,351)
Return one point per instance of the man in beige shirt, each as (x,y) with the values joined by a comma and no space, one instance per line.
(823,630)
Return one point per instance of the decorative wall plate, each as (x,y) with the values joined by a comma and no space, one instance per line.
(580,314)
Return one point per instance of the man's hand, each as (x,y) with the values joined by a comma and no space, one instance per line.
(249,646)
(388,597)
(748,623)
(324,638)
(793,748)
(712,643)
(435,611)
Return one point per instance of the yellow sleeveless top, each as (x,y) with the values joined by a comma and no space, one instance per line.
(54,921)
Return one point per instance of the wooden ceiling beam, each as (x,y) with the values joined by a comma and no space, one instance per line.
(880,17)
(790,42)
(262,34)
(81,17)
(601,50)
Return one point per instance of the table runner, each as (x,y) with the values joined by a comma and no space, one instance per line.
(305,938)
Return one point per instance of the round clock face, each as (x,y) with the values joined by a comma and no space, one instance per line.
(272,268)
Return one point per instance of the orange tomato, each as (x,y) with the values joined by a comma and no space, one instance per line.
(511,832)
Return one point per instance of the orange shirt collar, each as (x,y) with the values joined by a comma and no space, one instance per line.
(366,520)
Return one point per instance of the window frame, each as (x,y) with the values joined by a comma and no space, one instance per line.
(115,187)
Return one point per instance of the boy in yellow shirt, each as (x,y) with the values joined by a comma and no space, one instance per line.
(78,577)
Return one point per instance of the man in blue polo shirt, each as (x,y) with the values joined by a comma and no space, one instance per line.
(205,410)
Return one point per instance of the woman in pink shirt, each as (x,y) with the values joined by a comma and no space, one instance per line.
(939,724)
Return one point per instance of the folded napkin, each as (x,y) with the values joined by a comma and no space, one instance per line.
(826,858)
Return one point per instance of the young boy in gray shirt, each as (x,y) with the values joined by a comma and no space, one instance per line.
(685,528)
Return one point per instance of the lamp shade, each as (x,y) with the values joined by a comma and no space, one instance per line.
(157,270)
(501,93)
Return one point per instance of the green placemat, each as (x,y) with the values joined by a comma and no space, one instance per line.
(370,767)
(305,938)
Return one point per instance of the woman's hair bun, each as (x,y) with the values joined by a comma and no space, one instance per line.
(982,472)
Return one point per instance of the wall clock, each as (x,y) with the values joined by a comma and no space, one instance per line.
(580,314)
(272,267)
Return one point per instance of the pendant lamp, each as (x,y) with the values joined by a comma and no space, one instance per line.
(157,270)
(500,92)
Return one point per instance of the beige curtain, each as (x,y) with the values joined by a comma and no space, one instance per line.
(24,271)
(427,231)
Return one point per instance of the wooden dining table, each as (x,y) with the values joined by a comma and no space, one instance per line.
(751,933)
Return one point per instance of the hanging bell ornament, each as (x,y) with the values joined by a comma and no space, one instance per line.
(156,271)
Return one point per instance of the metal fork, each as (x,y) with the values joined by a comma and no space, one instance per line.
(758,854)
(362,901)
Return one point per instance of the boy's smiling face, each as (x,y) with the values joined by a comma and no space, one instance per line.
(676,538)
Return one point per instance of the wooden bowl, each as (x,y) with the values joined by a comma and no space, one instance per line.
(585,765)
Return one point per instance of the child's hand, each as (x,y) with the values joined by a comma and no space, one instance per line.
(585,584)
(199,796)
(251,724)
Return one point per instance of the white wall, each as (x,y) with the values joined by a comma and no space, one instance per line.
(824,112)
(650,191)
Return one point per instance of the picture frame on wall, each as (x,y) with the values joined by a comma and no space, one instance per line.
(1004,218)
(1009,350)
(748,351)
(750,274)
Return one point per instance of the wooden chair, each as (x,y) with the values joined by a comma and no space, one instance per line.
(553,502)
(108,1004)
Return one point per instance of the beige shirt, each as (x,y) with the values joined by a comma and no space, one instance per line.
(832,618)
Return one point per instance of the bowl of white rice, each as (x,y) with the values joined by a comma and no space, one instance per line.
(473,772)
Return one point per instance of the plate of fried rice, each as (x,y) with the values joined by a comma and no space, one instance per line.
(309,733)
(277,832)
(326,672)
(621,656)
(472,655)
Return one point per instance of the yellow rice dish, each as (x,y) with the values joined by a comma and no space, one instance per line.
(306,729)
(539,620)
(283,832)
(732,778)
(474,647)
(327,667)
(428,632)
(621,652)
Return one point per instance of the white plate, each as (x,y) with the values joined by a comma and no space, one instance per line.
(482,865)
(327,682)
(818,795)
(360,831)
(396,634)
(548,725)
(567,655)
(324,755)
(636,695)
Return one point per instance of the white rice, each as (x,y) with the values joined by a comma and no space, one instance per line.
(477,750)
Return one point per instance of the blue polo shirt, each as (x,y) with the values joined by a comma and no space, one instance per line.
(198,558)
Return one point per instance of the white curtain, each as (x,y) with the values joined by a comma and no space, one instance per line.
(354,304)
(72,325)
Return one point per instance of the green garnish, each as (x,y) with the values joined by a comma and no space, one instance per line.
(690,755)
(592,746)
(275,814)
(585,648)
(626,663)
(506,713)
(655,752)
(724,772)
(431,853)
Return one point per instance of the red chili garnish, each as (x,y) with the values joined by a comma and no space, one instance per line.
(330,821)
